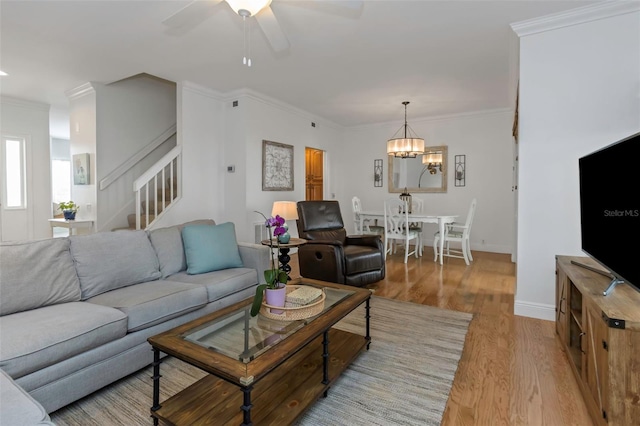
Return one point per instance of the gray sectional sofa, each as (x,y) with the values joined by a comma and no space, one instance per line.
(75,313)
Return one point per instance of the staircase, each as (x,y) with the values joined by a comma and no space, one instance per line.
(157,190)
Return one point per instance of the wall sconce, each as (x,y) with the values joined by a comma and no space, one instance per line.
(377,173)
(461,170)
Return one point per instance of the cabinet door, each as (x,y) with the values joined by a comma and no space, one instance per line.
(562,284)
(596,371)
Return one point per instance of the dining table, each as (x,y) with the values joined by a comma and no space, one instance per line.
(441,220)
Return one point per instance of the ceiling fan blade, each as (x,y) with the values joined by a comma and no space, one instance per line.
(272,30)
(191,15)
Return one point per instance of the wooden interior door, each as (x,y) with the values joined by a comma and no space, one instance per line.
(314,174)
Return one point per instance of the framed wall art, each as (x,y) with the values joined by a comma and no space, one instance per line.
(81,170)
(277,166)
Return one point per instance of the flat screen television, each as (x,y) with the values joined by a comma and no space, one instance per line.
(610,209)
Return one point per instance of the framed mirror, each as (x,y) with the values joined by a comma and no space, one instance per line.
(425,173)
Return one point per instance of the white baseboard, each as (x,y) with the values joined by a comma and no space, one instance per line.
(535,310)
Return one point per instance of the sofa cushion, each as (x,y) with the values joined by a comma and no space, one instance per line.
(35,274)
(18,407)
(220,284)
(167,242)
(109,260)
(210,247)
(150,303)
(41,337)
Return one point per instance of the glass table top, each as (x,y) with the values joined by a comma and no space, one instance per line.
(240,336)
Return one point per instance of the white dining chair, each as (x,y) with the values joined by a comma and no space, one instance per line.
(417,207)
(457,233)
(367,228)
(396,228)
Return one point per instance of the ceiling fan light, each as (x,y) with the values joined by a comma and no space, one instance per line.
(251,6)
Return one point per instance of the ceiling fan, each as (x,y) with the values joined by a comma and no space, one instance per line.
(198,10)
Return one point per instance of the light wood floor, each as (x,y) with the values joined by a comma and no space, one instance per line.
(512,371)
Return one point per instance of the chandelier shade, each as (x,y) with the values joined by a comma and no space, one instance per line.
(409,145)
(432,158)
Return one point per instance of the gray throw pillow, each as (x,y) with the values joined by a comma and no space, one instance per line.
(109,260)
(35,274)
(167,242)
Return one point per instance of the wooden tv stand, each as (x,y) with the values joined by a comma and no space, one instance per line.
(601,337)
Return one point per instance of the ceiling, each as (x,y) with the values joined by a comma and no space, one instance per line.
(446,57)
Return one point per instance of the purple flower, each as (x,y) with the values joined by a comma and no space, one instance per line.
(274,222)
(280,230)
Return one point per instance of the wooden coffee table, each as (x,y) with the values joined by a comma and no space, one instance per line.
(280,367)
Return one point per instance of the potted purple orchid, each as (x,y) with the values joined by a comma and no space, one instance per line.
(274,290)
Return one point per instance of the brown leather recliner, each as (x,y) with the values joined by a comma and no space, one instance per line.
(332,255)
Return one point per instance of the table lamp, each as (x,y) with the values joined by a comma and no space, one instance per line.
(288,211)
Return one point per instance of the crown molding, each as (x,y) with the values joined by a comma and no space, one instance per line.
(80,91)
(576,16)
(247,93)
(201,90)
(24,103)
(436,118)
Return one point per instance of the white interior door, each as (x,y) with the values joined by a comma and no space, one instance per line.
(15,210)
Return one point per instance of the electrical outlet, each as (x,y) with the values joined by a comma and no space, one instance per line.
(89,207)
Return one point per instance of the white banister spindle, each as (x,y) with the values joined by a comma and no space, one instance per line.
(164,197)
(138,201)
(155,196)
(171,178)
(151,176)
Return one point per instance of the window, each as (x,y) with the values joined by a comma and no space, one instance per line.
(61,180)
(14,178)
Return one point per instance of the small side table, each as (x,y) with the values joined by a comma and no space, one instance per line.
(71,224)
(284,257)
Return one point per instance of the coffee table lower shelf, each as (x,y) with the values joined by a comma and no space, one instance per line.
(279,398)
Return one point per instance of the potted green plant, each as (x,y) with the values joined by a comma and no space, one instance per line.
(276,279)
(69,209)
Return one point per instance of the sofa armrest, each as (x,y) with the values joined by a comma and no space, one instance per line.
(325,242)
(255,256)
(18,407)
(364,240)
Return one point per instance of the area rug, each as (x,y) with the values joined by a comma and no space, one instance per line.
(404,379)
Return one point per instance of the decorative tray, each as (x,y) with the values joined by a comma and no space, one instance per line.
(292,313)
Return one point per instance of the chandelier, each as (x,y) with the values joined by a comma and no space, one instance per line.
(408,146)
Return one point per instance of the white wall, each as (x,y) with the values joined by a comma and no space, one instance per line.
(201,134)
(269,119)
(131,113)
(579,91)
(59,123)
(30,120)
(82,119)
(485,139)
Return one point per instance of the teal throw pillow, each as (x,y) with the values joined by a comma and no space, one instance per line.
(210,248)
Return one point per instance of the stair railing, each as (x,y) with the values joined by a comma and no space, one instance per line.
(166,170)
(137,157)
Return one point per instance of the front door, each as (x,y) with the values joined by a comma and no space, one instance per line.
(314,174)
